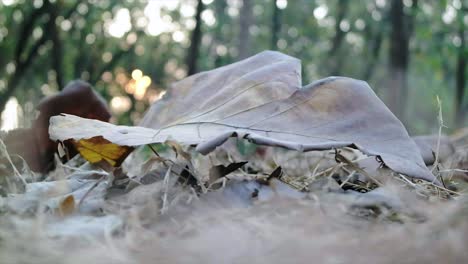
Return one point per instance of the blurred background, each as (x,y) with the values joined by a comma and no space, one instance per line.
(409,51)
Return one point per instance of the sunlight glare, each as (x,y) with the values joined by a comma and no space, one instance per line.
(120,104)
(10,115)
(207,2)
(138,84)
(178,36)
(141,86)
(156,24)
(449,15)
(208,17)
(8,2)
(281,4)
(137,74)
(320,12)
(187,10)
(121,23)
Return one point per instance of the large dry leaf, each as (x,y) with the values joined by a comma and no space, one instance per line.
(261,99)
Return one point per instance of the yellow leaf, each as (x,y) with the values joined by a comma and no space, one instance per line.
(99,149)
(67,205)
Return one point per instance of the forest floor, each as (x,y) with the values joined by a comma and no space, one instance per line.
(282,206)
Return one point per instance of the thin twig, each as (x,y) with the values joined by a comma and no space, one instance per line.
(347,179)
(434,185)
(315,170)
(166,189)
(441,125)
(15,170)
(453,170)
(325,171)
(172,162)
(90,189)
(348,162)
(154,151)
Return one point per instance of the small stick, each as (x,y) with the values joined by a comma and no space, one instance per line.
(90,189)
(15,170)
(347,179)
(453,170)
(154,151)
(166,189)
(441,125)
(436,186)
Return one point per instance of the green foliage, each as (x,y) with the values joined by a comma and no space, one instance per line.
(307,31)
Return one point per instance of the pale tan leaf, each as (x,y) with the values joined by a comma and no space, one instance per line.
(261,100)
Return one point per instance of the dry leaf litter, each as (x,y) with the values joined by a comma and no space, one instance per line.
(240,203)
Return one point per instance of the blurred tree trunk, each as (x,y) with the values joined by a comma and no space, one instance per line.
(335,60)
(83,57)
(275,26)
(222,20)
(374,35)
(375,52)
(80,60)
(27,28)
(398,57)
(25,57)
(195,40)
(401,31)
(57,55)
(246,19)
(460,110)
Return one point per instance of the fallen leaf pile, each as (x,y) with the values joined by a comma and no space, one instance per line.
(260,99)
(243,164)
